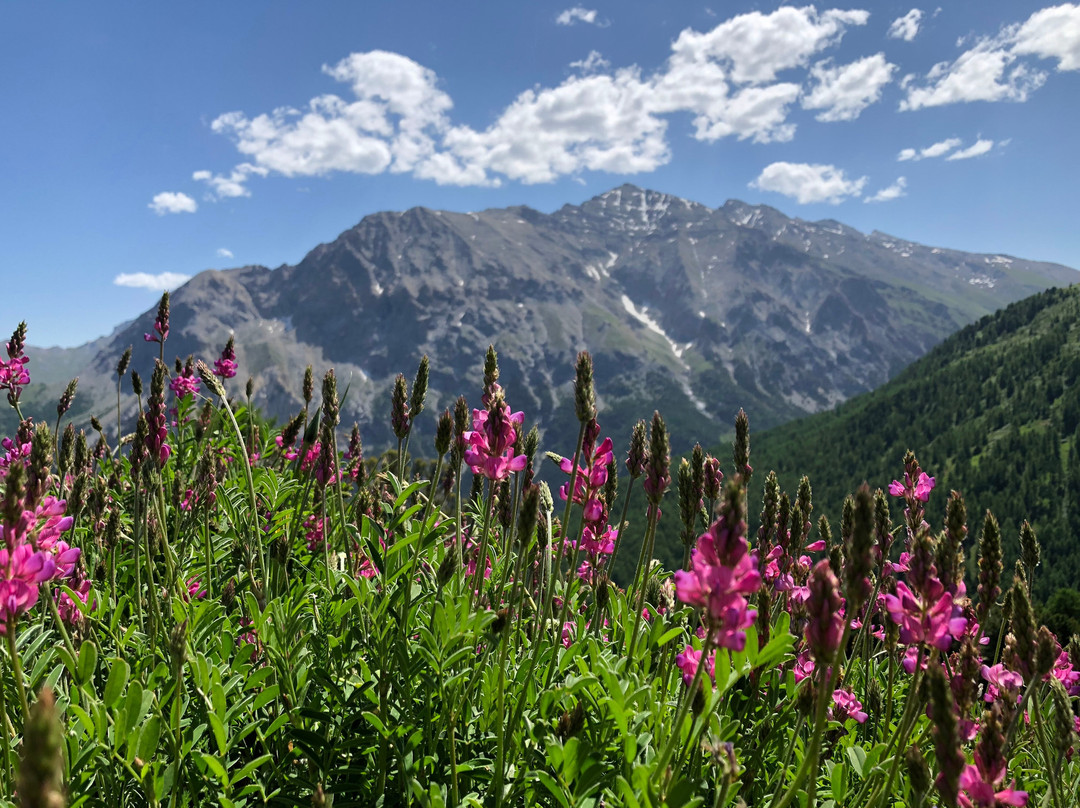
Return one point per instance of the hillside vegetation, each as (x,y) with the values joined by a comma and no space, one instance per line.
(993,412)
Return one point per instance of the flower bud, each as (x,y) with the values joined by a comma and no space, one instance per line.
(124,363)
(399,408)
(638,456)
(1029,550)
(989,567)
(40,780)
(740,449)
(584,389)
(444,433)
(67,397)
(419,388)
(308,388)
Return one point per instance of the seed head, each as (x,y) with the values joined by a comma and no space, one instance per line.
(584,389)
(740,449)
(308,388)
(67,397)
(125,361)
(40,781)
(444,433)
(989,567)
(136,383)
(399,408)
(638,456)
(419,388)
(657,476)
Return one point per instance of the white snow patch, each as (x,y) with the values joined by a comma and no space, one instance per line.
(642,316)
(701,314)
(592,272)
(998,259)
(376,289)
(935,251)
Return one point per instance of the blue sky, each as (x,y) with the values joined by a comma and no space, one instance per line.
(149,141)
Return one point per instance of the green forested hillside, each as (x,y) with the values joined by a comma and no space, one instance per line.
(992,412)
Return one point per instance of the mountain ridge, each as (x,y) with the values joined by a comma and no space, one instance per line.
(693,310)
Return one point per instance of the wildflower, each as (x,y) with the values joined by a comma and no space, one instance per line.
(980,783)
(13,373)
(804,665)
(689,660)
(161,322)
(920,490)
(186,381)
(722,573)
(846,706)
(195,590)
(590,478)
(1001,679)
(490,442)
(157,431)
(925,619)
(826,612)
(225,367)
(65,606)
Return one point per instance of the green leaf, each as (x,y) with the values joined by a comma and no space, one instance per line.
(88,656)
(219,733)
(118,678)
(250,768)
(549,783)
(148,738)
(266,696)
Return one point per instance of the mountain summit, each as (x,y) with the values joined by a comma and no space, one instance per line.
(691,310)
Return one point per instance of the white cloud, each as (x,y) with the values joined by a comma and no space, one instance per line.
(224,253)
(894,191)
(1052,33)
(172,202)
(906,27)
(986,72)
(577,14)
(979,147)
(993,69)
(593,63)
(758,46)
(808,183)
(163,281)
(845,91)
(597,119)
(935,150)
(231,186)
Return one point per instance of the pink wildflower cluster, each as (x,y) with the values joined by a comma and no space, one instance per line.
(846,706)
(13,373)
(722,573)
(919,489)
(932,618)
(490,442)
(32,552)
(689,660)
(185,382)
(225,367)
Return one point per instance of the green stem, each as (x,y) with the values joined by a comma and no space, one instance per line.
(476,585)
(6,741)
(639,590)
(684,704)
(251,491)
(16,668)
(1051,770)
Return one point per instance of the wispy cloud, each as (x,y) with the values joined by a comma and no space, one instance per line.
(806,182)
(224,253)
(163,281)
(974,150)
(906,27)
(592,63)
(894,191)
(172,202)
(845,91)
(934,150)
(577,14)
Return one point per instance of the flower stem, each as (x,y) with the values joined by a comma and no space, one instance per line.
(16,668)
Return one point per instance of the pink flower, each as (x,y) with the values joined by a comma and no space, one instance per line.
(225,367)
(689,660)
(1001,679)
(1064,673)
(66,607)
(491,442)
(846,706)
(590,478)
(185,383)
(804,665)
(825,608)
(925,621)
(977,790)
(920,490)
(195,589)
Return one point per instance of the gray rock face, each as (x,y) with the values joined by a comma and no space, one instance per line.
(686,309)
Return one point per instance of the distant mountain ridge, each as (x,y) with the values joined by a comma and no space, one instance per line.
(687,309)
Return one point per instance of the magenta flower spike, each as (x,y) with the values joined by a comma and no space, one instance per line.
(932,619)
(225,367)
(490,442)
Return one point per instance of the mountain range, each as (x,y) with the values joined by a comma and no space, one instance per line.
(691,310)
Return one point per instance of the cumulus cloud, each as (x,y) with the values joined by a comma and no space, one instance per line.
(845,91)
(979,147)
(593,63)
(894,191)
(172,202)
(162,282)
(994,67)
(906,27)
(808,182)
(1052,33)
(726,80)
(577,14)
(935,150)
(224,253)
